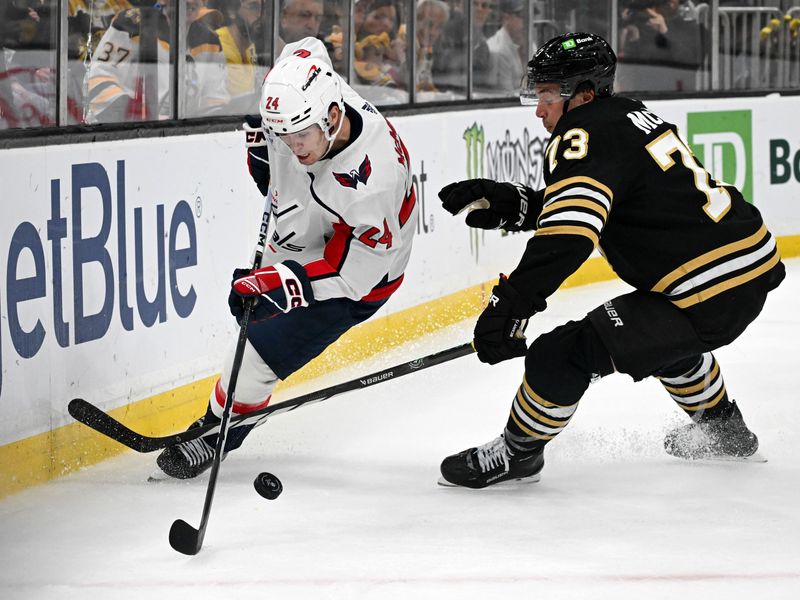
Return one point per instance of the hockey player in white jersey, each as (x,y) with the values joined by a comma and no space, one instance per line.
(344,218)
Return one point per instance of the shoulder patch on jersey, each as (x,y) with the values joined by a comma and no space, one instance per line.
(353,178)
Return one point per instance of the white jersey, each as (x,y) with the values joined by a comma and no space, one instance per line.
(118,74)
(350,219)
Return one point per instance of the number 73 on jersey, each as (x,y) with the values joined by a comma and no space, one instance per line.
(662,149)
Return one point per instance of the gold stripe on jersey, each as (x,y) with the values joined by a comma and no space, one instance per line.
(552,189)
(105,96)
(575,206)
(728,284)
(569,230)
(103,89)
(576,203)
(693,282)
(536,417)
(207,48)
(709,257)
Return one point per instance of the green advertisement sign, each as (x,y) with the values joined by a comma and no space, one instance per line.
(723,141)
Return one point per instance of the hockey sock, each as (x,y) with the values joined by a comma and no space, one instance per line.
(234,437)
(534,421)
(696,385)
(559,367)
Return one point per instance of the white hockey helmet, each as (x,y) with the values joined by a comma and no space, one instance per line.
(298,93)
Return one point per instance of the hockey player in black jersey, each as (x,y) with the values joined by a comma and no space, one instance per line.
(620,179)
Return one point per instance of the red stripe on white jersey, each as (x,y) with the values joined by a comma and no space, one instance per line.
(383,292)
(337,247)
(408,206)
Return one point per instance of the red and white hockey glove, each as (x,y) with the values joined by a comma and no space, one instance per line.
(280,288)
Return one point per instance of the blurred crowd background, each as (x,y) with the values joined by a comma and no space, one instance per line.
(67,62)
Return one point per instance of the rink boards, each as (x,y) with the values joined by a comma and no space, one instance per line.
(116,259)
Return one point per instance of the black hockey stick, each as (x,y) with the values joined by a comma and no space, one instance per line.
(102,422)
(182,536)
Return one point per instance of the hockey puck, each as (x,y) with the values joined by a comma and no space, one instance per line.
(268,486)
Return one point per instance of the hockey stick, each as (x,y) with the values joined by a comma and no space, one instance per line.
(182,536)
(102,422)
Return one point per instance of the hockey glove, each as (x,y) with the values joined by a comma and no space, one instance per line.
(493,205)
(500,330)
(278,289)
(236,302)
(257,152)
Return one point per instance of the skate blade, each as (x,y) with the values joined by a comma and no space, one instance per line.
(158,476)
(508,484)
(716,458)
(753,458)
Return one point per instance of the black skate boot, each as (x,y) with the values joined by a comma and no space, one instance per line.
(188,459)
(491,464)
(724,437)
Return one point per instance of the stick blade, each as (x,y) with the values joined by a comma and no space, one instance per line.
(184,538)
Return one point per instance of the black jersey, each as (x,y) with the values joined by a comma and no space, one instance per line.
(621,179)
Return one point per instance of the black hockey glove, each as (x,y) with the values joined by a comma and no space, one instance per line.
(500,330)
(257,153)
(493,205)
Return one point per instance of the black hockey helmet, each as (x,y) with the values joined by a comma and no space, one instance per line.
(570,60)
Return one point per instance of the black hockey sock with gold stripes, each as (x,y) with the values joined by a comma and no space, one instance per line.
(697,386)
(535,420)
(559,367)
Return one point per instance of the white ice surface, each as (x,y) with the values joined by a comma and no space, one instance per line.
(361,515)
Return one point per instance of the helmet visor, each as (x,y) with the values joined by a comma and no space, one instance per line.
(539,93)
(299,143)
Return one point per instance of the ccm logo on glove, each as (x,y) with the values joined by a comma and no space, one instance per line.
(285,285)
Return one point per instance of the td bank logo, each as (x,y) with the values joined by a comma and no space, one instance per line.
(723,143)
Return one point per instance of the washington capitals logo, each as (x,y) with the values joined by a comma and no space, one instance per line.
(352,178)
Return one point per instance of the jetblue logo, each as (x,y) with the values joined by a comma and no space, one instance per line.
(94,271)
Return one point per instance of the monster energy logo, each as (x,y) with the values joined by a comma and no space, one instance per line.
(476,144)
(518,158)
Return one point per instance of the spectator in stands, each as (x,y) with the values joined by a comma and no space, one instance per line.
(129,75)
(661,46)
(237,38)
(455,51)
(333,26)
(27,75)
(507,47)
(299,19)
(432,16)
(207,92)
(379,47)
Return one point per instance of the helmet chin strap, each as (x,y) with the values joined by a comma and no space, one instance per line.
(331,137)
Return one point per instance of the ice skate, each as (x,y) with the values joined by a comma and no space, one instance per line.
(722,438)
(188,459)
(491,464)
